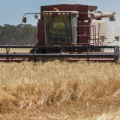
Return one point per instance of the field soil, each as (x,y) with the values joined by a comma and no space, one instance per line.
(57,90)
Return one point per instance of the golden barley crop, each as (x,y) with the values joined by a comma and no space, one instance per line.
(63,91)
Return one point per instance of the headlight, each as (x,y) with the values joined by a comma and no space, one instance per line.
(67,13)
(63,13)
(59,13)
(50,13)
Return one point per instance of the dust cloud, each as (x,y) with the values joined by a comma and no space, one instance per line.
(111,35)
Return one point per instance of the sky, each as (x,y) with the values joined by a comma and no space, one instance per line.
(12,11)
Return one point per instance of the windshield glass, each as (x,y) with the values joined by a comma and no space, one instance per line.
(58,30)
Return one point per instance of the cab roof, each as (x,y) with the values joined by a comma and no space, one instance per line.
(72,7)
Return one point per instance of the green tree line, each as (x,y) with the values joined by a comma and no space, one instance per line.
(22,34)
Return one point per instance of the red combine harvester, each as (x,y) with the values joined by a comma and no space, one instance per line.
(73,32)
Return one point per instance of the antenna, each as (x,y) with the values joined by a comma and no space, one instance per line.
(57,4)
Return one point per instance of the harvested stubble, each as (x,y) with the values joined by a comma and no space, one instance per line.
(60,90)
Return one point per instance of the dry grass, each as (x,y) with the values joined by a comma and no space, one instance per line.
(56,90)
(13,50)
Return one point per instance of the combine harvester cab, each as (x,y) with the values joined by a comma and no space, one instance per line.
(71,32)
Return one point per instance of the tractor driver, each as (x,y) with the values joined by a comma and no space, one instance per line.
(59,32)
(58,24)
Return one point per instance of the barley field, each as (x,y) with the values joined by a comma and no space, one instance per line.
(18,50)
(56,90)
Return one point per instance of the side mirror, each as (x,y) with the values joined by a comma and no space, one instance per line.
(36,16)
(24,20)
(117,38)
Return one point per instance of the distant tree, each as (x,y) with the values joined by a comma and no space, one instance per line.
(27,34)
(16,35)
